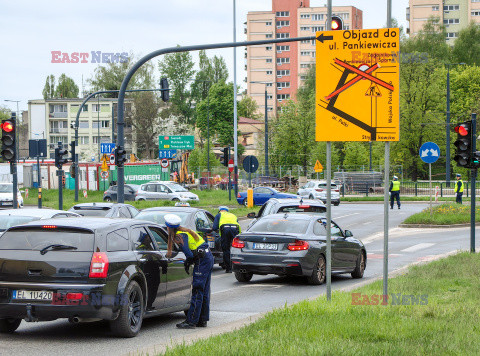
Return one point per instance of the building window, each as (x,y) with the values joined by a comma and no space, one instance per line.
(281,85)
(269,84)
(451,7)
(84,140)
(283,35)
(269,35)
(476,13)
(281,24)
(318,28)
(269,60)
(305,65)
(281,49)
(305,53)
(58,126)
(452,34)
(305,28)
(282,14)
(58,108)
(103,139)
(56,139)
(282,73)
(475,0)
(303,77)
(269,96)
(268,23)
(343,15)
(317,17)
(450,21)
(83,124)
(104,124)
(281,97)
(268,48)
(435,8)
(304,16)
(75,108)
(281,61)
(346,27)
(269,72)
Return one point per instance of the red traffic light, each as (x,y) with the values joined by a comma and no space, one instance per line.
(337,23)
(7,126)
(462,130)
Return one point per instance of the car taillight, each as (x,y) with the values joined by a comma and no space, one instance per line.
(336,190)
(74,296)
(239,196)
(298,245)
(319,190)
(49,226)
(237,243)
(99,265)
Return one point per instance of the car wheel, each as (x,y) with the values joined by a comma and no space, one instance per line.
(130,319)
(108,199)
(243,276)
(245,202)
(175,199)
(319,272)
(360,267)
(9,325)
(141,199)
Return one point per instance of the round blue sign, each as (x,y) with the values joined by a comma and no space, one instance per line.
(429,152)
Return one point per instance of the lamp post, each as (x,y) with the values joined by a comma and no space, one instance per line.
(266,125)
(447,153)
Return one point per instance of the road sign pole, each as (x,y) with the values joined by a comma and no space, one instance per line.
(386,179)
(60,189)
(430,186)
(472,196)
(229,173)
(39,179)
(329,221)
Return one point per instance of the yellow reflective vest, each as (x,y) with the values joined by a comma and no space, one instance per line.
(395,186)
(192,243)
(227,218)
(461,187)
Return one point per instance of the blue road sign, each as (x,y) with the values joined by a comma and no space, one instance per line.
(429,152)
(167,154)
(107,148)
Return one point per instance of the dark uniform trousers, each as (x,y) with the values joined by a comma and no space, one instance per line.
(228,233)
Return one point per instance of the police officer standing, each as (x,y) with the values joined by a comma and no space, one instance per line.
(459,189)
(227,224)
(394,192)
(196,252)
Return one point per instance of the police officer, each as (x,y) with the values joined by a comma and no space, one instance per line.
(394,192)
(459,189)
(197,252)
(227,224)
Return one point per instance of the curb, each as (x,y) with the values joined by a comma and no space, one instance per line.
(426,226)
(225,328)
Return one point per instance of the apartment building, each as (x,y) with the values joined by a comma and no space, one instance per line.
(54,120)
(454,14)
(280,68)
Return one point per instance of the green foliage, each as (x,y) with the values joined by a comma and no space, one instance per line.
(145,121)
(198,159)
(356,153)
(466,48)
(465,92)
(66,87)
(49,88)
(444,214)
(4,113)
(247,107)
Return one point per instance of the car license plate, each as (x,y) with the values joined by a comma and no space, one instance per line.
(32,294)
(263,246)
(211,244)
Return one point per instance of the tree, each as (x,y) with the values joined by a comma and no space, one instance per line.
(356,154)
(145,121)
(467,46)
(178,69)
(198,160)
(247,107)
(465,92)
(66,87)
(49,88)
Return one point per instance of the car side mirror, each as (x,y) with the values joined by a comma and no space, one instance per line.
(348,233)
(251,215)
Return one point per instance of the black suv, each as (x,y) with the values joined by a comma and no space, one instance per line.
(105,210)
(90,268)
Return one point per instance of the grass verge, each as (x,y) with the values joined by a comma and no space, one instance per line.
(444,214)
(446,324)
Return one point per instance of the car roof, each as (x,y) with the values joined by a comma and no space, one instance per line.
(41,213)
(84,223)
(293,201)
(187,209)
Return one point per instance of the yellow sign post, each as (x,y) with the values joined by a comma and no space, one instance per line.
(357,90)
(318,167)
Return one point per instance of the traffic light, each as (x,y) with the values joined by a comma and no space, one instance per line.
(72,151)
(60,156)
(165,91)
(120,156)
(463,144)
(224,156)
(8,139)
(337,23)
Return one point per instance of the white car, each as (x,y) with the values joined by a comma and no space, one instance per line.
(14,217)
(6,196)
(166,191)
(317,189)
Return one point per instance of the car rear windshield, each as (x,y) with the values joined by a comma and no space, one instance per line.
(281,225)
(324,185)
(7,221)
(302,209)
(94,212)
(33,239)
(159,216)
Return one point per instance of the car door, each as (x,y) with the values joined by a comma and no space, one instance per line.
(319,230)
(150,191)
(129,194)
(163,192)
(342,247)
(133,211)
(261,195)
(112,192)
(152,263)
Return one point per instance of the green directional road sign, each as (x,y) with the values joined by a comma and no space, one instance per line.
(176,142)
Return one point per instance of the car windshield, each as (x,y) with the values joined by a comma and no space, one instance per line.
(33,239)
(7,221)
(302,209)
(95,212)
(281,225)
(177,188)
(6,188)
(159,216)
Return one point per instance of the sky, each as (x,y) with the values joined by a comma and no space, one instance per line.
(30,30)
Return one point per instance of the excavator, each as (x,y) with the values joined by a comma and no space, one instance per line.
(180,170)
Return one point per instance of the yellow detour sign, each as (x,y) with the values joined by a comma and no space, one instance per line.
(357,90)
(318,167)
(104,163)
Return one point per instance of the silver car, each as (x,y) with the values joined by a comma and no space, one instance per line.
(317,189)
(14,217)
(164,191)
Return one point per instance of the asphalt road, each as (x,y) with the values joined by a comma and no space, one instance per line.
(233,301)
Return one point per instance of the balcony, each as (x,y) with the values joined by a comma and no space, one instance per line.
(58,115)
(56,130)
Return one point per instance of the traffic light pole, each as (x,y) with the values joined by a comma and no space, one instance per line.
(229,178)
(473,178)
(13,168)
(39,176)
(60,188)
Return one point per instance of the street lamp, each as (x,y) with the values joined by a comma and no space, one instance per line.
(447,153)
(266,125)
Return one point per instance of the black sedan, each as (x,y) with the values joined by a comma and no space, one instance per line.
(295,244)
(199,220)
(90,269)
(105,210)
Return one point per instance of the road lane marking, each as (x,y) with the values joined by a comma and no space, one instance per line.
(271,286)
(418,247)
(344,216)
